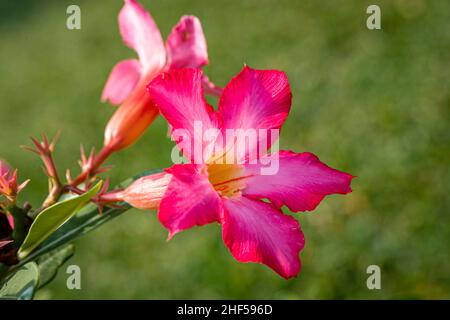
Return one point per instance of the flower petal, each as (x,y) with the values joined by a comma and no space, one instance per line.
(122,80)
(256,99)
(140,33)
(190,200)
(179,97)
(255,231)
(186,44)
(300,182)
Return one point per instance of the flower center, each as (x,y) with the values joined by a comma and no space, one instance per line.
(227,179)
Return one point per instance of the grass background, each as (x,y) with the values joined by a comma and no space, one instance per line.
(372,103)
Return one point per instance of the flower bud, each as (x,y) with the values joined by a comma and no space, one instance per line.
(147,192)
(131,119)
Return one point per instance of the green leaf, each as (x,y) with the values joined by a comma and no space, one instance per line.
(86,220)
(76,227)
(89,218)
(21,284)
(52,218)
(50,262)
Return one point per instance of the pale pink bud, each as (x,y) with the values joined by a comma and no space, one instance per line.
(147,192)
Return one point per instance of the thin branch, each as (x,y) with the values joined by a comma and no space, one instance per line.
(45,151)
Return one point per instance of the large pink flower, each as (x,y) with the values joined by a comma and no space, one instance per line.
(232,193)
(185,47)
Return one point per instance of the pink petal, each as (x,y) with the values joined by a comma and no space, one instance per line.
(122,80)
(302,181)
(140,32)
(179,97)
(255,231)
(186,44)
(190,200)
(256,99)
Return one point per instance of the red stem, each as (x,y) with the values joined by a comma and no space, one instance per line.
(51,169)
(56,186)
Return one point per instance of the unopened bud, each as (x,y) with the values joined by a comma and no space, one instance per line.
(131,119)
(148,191)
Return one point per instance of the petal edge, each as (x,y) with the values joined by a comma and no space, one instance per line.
(255,231)
(301,183)
(121,81)
(186,44)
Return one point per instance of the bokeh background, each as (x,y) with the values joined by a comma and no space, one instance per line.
(372,103)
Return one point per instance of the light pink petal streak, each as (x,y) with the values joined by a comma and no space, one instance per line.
(179,97)
(122,80)
(256,99)
(186,44)
(302,181)
(255,231)
(4,243)
(189,201)
(140,33)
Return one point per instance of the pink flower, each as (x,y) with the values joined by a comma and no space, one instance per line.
(231,194)
(185,47)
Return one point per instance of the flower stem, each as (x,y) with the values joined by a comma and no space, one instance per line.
(111,197)
(57,188)
(55,182)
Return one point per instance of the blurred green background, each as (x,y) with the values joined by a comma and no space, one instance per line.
(372,103)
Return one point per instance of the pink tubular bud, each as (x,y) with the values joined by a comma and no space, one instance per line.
(131,119)
(147,192)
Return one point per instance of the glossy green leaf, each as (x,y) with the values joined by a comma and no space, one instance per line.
(22,284)
(54,217)
(84,221)
(50,262)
